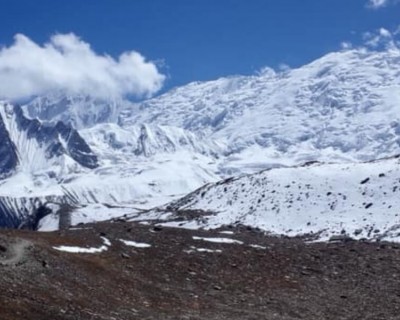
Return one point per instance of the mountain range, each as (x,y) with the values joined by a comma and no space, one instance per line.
(286,152)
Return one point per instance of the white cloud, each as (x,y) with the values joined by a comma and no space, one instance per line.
(382,38)
(266,72)
(376,4)
(385,33)
(67,63)
(283,67)
(345,45)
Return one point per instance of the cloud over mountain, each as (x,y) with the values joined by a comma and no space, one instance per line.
(376,4)
(69,64)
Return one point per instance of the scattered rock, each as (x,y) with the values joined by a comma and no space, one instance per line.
(369,205)
(125,256)
(340,238)
(364,181)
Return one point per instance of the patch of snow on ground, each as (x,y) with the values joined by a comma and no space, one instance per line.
(74,249)
(226,232)
(135,244)
(219,240)
(106,241)
(208,250)
(80,249)
(194,249)
(256,246)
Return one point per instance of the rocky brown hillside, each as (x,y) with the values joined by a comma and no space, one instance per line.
(170,273)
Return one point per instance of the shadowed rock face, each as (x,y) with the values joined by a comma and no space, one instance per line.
(50,137)
(8,153)
(77,148)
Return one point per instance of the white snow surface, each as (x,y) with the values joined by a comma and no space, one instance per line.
(135,244)
(140,167)
(74,249)
(341,107)
(79,111)
(203,250)
(218,240)
(257,246)
(360,200)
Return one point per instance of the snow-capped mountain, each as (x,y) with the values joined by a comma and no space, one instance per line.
(342,107)
(360,200)
(103,165)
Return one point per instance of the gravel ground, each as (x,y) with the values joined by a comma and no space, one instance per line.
(261,278)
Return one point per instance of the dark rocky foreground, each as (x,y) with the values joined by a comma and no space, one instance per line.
(288,279)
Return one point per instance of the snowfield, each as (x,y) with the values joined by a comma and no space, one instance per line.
(358,200)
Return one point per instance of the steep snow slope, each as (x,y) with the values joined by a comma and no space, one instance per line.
(147,140)
(342,107)
(40,146)
(78,111)
(360,200)
(147,165)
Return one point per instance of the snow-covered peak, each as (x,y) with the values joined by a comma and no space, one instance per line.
(79,111)
(343,106)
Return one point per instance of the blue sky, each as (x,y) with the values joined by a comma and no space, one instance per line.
(202,39)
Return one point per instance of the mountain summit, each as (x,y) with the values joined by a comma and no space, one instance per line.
(341,107)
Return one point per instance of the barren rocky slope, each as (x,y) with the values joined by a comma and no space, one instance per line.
(183,274)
